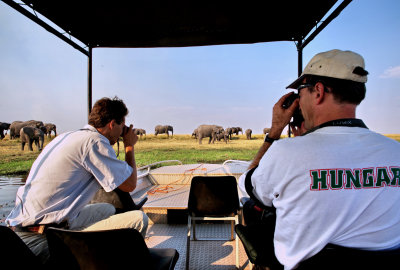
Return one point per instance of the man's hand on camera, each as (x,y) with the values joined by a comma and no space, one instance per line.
(298,131)
(130,138)
(281,116)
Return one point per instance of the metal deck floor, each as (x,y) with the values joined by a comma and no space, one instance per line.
(204,255)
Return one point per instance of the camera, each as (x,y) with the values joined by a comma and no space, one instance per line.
(124,131)
(289,100)
(297,116)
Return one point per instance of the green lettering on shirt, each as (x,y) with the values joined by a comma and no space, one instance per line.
(336,180)
(382,176)
(372,177)
(319,182)
(396,176)
(368,177)
(351,178)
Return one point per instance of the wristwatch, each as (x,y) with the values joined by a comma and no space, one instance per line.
(270,140)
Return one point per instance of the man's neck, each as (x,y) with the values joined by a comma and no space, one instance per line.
(341,111)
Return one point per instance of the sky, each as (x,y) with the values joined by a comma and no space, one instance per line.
(44,78)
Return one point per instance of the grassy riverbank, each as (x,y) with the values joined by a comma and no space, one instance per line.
(148,150)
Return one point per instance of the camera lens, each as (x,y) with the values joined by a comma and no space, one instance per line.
(124,130)
(289,100)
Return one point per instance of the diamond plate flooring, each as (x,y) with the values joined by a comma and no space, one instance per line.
(207,255)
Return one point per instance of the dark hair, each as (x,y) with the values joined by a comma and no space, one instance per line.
(344,91)
(105,110)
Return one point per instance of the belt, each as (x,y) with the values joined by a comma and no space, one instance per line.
(40,229)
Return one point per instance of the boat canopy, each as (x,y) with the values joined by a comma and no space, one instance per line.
(180,23)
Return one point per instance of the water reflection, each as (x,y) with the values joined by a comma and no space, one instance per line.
(8,189)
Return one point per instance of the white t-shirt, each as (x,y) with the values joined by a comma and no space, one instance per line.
(65,177)
(337,185)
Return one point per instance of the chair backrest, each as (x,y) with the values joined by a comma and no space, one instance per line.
(108,249)
(213,196)
(14,254)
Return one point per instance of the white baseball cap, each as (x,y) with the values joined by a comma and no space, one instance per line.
(345,65)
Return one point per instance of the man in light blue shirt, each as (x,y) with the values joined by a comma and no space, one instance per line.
(68,173)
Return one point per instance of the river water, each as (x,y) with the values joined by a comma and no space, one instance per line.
(8,189)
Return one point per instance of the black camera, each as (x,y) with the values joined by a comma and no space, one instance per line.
(297,116)
(289,100)
(124,131)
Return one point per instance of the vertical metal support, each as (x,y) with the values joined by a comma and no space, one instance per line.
(299,67)
(90,81)
(299,57)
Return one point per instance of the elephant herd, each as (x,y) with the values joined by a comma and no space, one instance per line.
(30,132)
(215,132)
(159,129)
(33,131)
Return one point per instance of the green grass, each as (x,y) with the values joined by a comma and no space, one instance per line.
(188,150)
(150,149)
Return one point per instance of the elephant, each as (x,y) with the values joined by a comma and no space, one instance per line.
(222,135)
(48,128)
(31,134)
(16,126)
(248,133)
(4,127)
(229,132)
(159,129)
(140,132)
(235,130)
(13,127)
(266,130)
(209,131)
(194,133)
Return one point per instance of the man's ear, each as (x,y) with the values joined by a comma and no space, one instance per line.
(319,92)
(111,124)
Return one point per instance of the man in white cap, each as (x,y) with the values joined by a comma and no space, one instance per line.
(337,183)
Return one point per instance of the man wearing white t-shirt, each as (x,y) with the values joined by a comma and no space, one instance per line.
(338,183)
(68,173)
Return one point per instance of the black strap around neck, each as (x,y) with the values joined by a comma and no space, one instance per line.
(249,187)
(345,122)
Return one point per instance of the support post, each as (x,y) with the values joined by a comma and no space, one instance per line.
(299,58)
(299,67)
(90,81)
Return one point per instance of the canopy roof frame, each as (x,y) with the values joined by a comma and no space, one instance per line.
(225,25)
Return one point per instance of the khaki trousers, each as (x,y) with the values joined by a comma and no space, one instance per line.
(93,217)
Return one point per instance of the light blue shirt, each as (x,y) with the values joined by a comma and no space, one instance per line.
(66,176)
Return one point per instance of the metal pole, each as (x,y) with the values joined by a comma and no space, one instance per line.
(330,18)
(44,25)
(299,67)
(90,81)
(299,58)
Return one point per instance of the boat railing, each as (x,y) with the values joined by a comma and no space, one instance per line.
(236,161)
(148,167)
